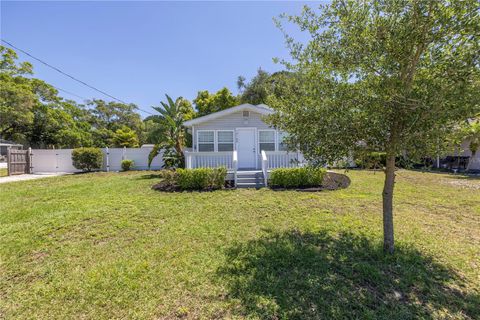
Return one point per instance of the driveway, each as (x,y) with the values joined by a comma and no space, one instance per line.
(25,177)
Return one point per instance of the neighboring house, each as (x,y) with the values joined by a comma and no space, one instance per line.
(5,144)
(460,158)
(235,138)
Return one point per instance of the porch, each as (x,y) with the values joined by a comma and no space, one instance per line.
(242,172)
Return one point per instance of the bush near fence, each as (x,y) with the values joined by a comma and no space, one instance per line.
(60,160)
(87,159)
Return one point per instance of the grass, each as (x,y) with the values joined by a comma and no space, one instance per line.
(3,172)
(104,245)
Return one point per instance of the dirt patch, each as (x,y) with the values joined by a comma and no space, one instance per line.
(464,183)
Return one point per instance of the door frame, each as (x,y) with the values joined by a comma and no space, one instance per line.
(255,144)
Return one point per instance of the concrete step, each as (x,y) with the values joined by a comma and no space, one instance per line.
(250,185)
(249,179)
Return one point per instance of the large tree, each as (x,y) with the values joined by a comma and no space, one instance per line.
(207,102)
(108,117)
(261,87)
(394,75)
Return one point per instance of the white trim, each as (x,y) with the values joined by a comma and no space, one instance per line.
(261,108)
(194,145)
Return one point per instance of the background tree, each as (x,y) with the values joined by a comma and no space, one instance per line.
(394,75)
(207,103)
(261,87)
(108,117)
(125,137)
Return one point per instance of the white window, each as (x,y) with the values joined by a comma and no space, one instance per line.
(282,146)
(206,141)
(225,140)
(266,140)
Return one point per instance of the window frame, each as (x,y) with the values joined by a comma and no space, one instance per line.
(198,139)
(274,139)
(216,139)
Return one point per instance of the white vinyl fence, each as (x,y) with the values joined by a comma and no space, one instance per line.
(60,160)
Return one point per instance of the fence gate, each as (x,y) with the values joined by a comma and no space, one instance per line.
(18,161)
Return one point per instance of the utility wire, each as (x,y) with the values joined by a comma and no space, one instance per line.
(70,93)
(71,77)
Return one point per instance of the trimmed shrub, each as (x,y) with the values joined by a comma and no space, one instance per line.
(303,177)
(201,179)
(127,164)
(87,159)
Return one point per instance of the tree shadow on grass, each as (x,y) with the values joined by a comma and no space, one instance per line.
(297,275)
(150,176)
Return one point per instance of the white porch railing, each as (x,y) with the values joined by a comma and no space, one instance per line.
(283,159)
(209,159)
(264,167)
(235,166)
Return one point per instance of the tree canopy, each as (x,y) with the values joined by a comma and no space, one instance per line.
(33,113)
(395,76)
(207,103)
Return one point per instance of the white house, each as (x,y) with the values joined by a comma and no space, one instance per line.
(239,139)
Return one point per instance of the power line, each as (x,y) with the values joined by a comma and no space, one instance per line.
(70,76)
(70,93)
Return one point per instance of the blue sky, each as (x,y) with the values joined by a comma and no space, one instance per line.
(138,51)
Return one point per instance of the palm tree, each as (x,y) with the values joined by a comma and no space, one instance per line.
(171,133)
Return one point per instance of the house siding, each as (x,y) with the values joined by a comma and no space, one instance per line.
(234,120)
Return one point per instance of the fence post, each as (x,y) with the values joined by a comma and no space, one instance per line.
(124,154)
(29,157)
(107,159)
(9,160)
(56,159)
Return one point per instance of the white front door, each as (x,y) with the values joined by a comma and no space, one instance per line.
(246,148)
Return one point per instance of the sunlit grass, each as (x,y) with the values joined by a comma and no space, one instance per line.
(104,245)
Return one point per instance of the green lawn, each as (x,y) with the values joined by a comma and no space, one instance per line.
(102,246)
(3,172)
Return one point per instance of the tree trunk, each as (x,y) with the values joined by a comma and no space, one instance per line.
(388,240)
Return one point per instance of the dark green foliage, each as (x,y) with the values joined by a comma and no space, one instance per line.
(201,178)
(371,160)
(87,159)
(297,177)
(127,164)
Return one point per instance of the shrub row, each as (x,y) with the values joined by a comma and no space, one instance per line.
(201,178)
(303,177)
(192,179)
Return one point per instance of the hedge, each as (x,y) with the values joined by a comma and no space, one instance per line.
(303,177)
(201,178)
(87,159)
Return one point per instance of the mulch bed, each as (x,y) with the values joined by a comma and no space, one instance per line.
(332,181)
